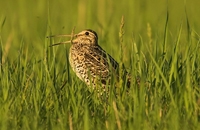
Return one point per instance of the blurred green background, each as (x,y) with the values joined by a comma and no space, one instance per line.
(29,22)
(32,74)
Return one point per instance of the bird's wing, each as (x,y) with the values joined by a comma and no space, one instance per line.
(100,63)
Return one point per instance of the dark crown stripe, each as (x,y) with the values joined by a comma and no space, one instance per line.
(92,32)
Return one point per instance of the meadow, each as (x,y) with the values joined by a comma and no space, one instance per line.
(157,41)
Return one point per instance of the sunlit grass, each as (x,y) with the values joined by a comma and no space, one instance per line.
(157,42)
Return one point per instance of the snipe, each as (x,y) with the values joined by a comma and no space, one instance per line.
(91,63)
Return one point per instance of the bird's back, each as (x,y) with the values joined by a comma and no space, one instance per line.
(92,64)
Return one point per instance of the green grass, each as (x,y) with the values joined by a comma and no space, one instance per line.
(159,42)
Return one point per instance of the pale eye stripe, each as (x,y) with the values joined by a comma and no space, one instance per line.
(93,34)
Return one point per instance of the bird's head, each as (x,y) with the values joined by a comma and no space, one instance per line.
(85,37)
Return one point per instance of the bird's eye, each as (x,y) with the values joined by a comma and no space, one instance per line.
(86,33)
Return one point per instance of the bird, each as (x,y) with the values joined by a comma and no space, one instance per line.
(91,63)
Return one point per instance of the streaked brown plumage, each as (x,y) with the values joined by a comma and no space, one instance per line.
(91,63)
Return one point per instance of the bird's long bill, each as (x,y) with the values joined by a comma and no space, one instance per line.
(61,42)
(63,35)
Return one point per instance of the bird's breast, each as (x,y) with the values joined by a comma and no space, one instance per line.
(91,63)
